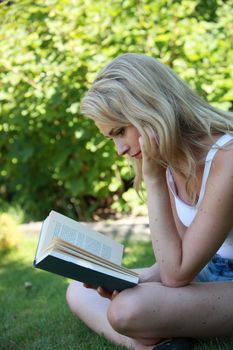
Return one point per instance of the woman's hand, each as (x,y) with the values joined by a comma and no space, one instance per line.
(103,292)
(149,274)
(151,168)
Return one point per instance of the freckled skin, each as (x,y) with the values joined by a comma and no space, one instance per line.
(169,302)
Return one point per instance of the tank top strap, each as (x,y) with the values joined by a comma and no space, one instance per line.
(209,158)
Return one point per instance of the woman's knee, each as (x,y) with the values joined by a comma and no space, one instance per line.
(133,308)
(122,313)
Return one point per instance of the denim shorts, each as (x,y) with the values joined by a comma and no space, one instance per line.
(217,269)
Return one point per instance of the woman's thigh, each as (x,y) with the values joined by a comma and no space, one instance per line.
(153,310)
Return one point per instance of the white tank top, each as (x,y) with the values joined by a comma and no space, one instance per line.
(186,212)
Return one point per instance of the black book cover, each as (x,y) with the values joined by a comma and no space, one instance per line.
(83,274)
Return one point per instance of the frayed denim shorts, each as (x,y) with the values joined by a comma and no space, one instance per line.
(217,269)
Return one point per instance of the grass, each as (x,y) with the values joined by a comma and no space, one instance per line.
(37,317)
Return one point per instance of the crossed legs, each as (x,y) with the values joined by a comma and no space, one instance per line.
(140,317)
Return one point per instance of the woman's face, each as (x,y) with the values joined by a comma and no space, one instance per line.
(124,137)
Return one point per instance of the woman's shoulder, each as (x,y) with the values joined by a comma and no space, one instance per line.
(224,149)
(223,140)
(219,142)
(222,165)
(218,170)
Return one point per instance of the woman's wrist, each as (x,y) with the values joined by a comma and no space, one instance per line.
(155,180)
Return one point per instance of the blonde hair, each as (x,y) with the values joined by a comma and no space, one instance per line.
(140,90)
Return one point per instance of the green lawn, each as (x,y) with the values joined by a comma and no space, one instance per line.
(37,318)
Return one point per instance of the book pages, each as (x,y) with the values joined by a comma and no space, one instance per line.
(82,236)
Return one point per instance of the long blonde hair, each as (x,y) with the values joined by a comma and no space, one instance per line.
(140,90)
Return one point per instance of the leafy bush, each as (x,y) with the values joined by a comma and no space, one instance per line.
(9,232)
(50,51)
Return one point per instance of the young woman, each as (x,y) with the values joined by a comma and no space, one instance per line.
(182,148)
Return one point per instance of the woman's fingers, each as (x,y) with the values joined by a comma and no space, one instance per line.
(106,294)
(114,294)
(141,143)
(153,143)
(151,168)
(103,292)
(152,152)
(86,285)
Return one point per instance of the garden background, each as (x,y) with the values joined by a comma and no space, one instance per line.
(51,157)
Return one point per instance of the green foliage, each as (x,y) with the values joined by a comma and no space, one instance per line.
(50,52)
(9,232)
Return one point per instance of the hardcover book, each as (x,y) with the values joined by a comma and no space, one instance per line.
(71,249)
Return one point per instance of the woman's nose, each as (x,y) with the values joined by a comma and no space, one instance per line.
(122,148)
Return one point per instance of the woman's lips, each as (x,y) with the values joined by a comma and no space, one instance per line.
(137,155)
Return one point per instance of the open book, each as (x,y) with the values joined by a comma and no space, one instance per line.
(73,250)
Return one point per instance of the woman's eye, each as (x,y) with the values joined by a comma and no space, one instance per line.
(120,132)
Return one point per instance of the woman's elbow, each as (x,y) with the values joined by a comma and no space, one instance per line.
(175,282)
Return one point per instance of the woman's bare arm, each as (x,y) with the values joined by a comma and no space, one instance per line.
(180,259)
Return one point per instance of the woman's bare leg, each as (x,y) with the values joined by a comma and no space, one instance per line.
(91,308)
(142,316)
(151,310)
